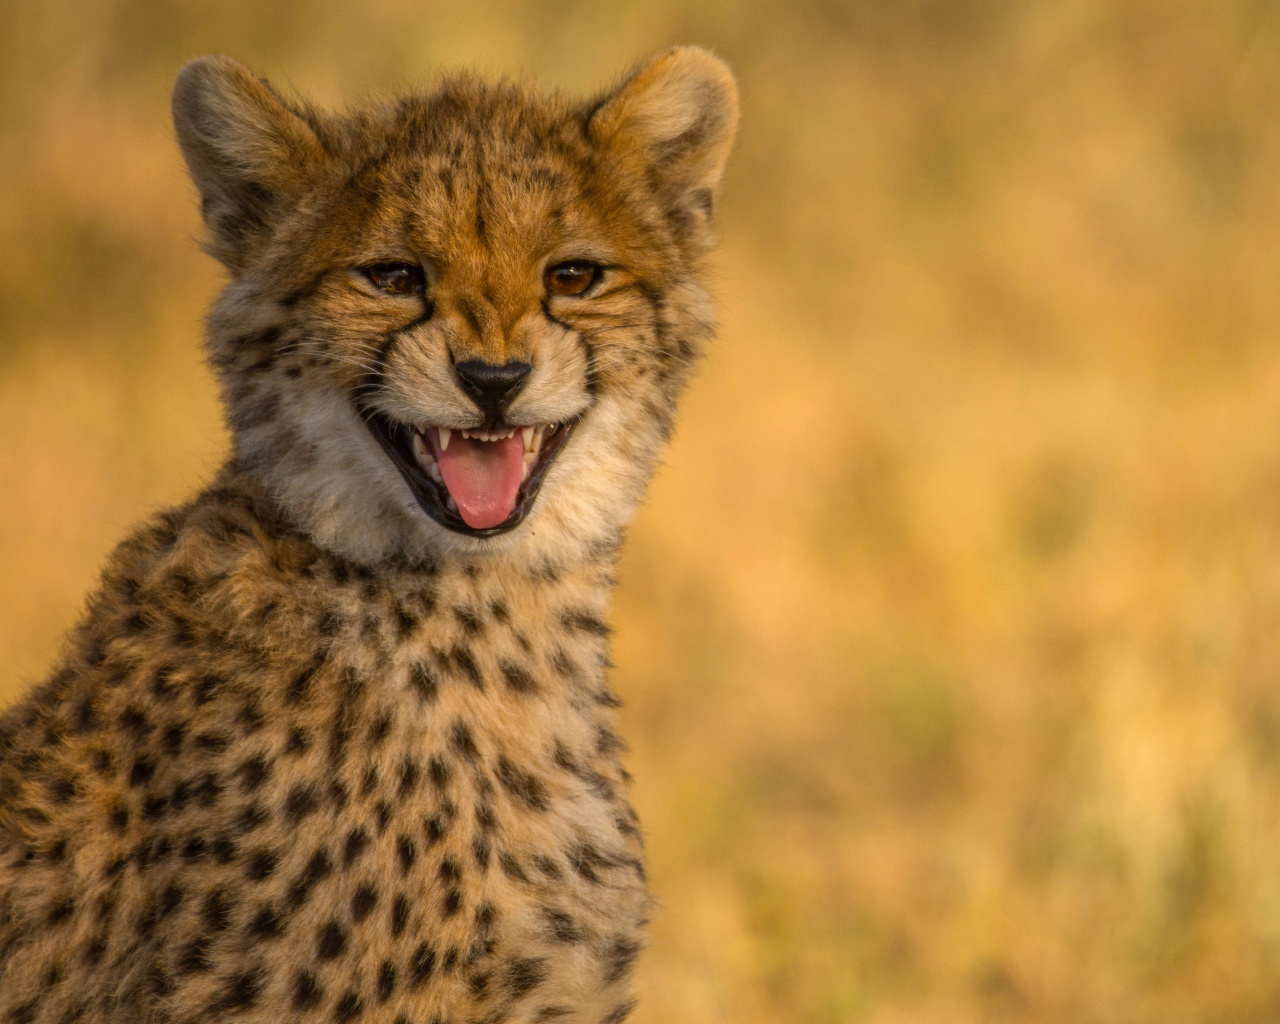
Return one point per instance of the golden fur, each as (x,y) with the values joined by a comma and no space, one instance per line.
(310,753)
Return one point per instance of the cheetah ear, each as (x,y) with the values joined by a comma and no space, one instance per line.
(677,115)
(248,153)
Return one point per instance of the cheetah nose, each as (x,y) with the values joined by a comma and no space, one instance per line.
(492,388)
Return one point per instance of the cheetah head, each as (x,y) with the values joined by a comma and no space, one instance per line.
(457,320)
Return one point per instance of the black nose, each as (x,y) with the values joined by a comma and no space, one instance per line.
(493,388)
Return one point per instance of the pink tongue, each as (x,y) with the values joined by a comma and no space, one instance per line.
(482,476)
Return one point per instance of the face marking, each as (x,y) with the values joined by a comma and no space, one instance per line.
(479,224)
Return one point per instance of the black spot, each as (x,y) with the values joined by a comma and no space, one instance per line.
(619,958)
(409,774)
(306,991)
(251,718)
(85,718)
(203,689)
(153,807)
(260,865)
(399,916)
(585,858)
(607,741)
(436,826)
(117,865)
(481,851)
(298,743)
(193,848)
(499,610)
(518,679)
(470,620)
(423,963)
(619,1013)
(331,941)
(317,869)
(170,900)
(405,622)
(379,729)
(407,852)
(216,911)
(561,927)
(241,991)
(253,773)
(251,817)
(207,790)
(438,769)
(424,682)
(451,903)
(465,664)
(174,736)
(61,790)
(266,923)
(462,741)
(362,902)
(61,910)
(525,974)
(584,622)
(141,773)
(24,1013)
(119,818)
(93,951)
(370,781)
(511,867)
(522,785)
(357,840)
(301,801)
(348,1007)
(386,980)
(449,871)
(223,849)
(485,817)
(340,728)
(162,682)
(338,794)
(383,810)
(300,686)
(547,866)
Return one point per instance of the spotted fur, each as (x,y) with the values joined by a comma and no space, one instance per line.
(309,754)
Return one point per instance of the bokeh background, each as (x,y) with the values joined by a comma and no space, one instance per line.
(950,637)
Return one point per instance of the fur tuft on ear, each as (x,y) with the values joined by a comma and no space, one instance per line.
(678,115)
(247,152)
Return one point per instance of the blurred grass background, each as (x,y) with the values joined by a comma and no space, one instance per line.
(950,637)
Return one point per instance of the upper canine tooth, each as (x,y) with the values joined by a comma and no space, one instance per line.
(443,433)
(527,434)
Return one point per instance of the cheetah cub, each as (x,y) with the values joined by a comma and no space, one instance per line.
(333,741)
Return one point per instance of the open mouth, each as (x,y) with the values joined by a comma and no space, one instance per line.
(477,482)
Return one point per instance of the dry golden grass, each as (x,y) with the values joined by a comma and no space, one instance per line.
(950,637)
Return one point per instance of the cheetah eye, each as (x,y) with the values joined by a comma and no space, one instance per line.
(396,278)
(572,278)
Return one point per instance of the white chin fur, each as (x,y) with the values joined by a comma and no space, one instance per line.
(336,482)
